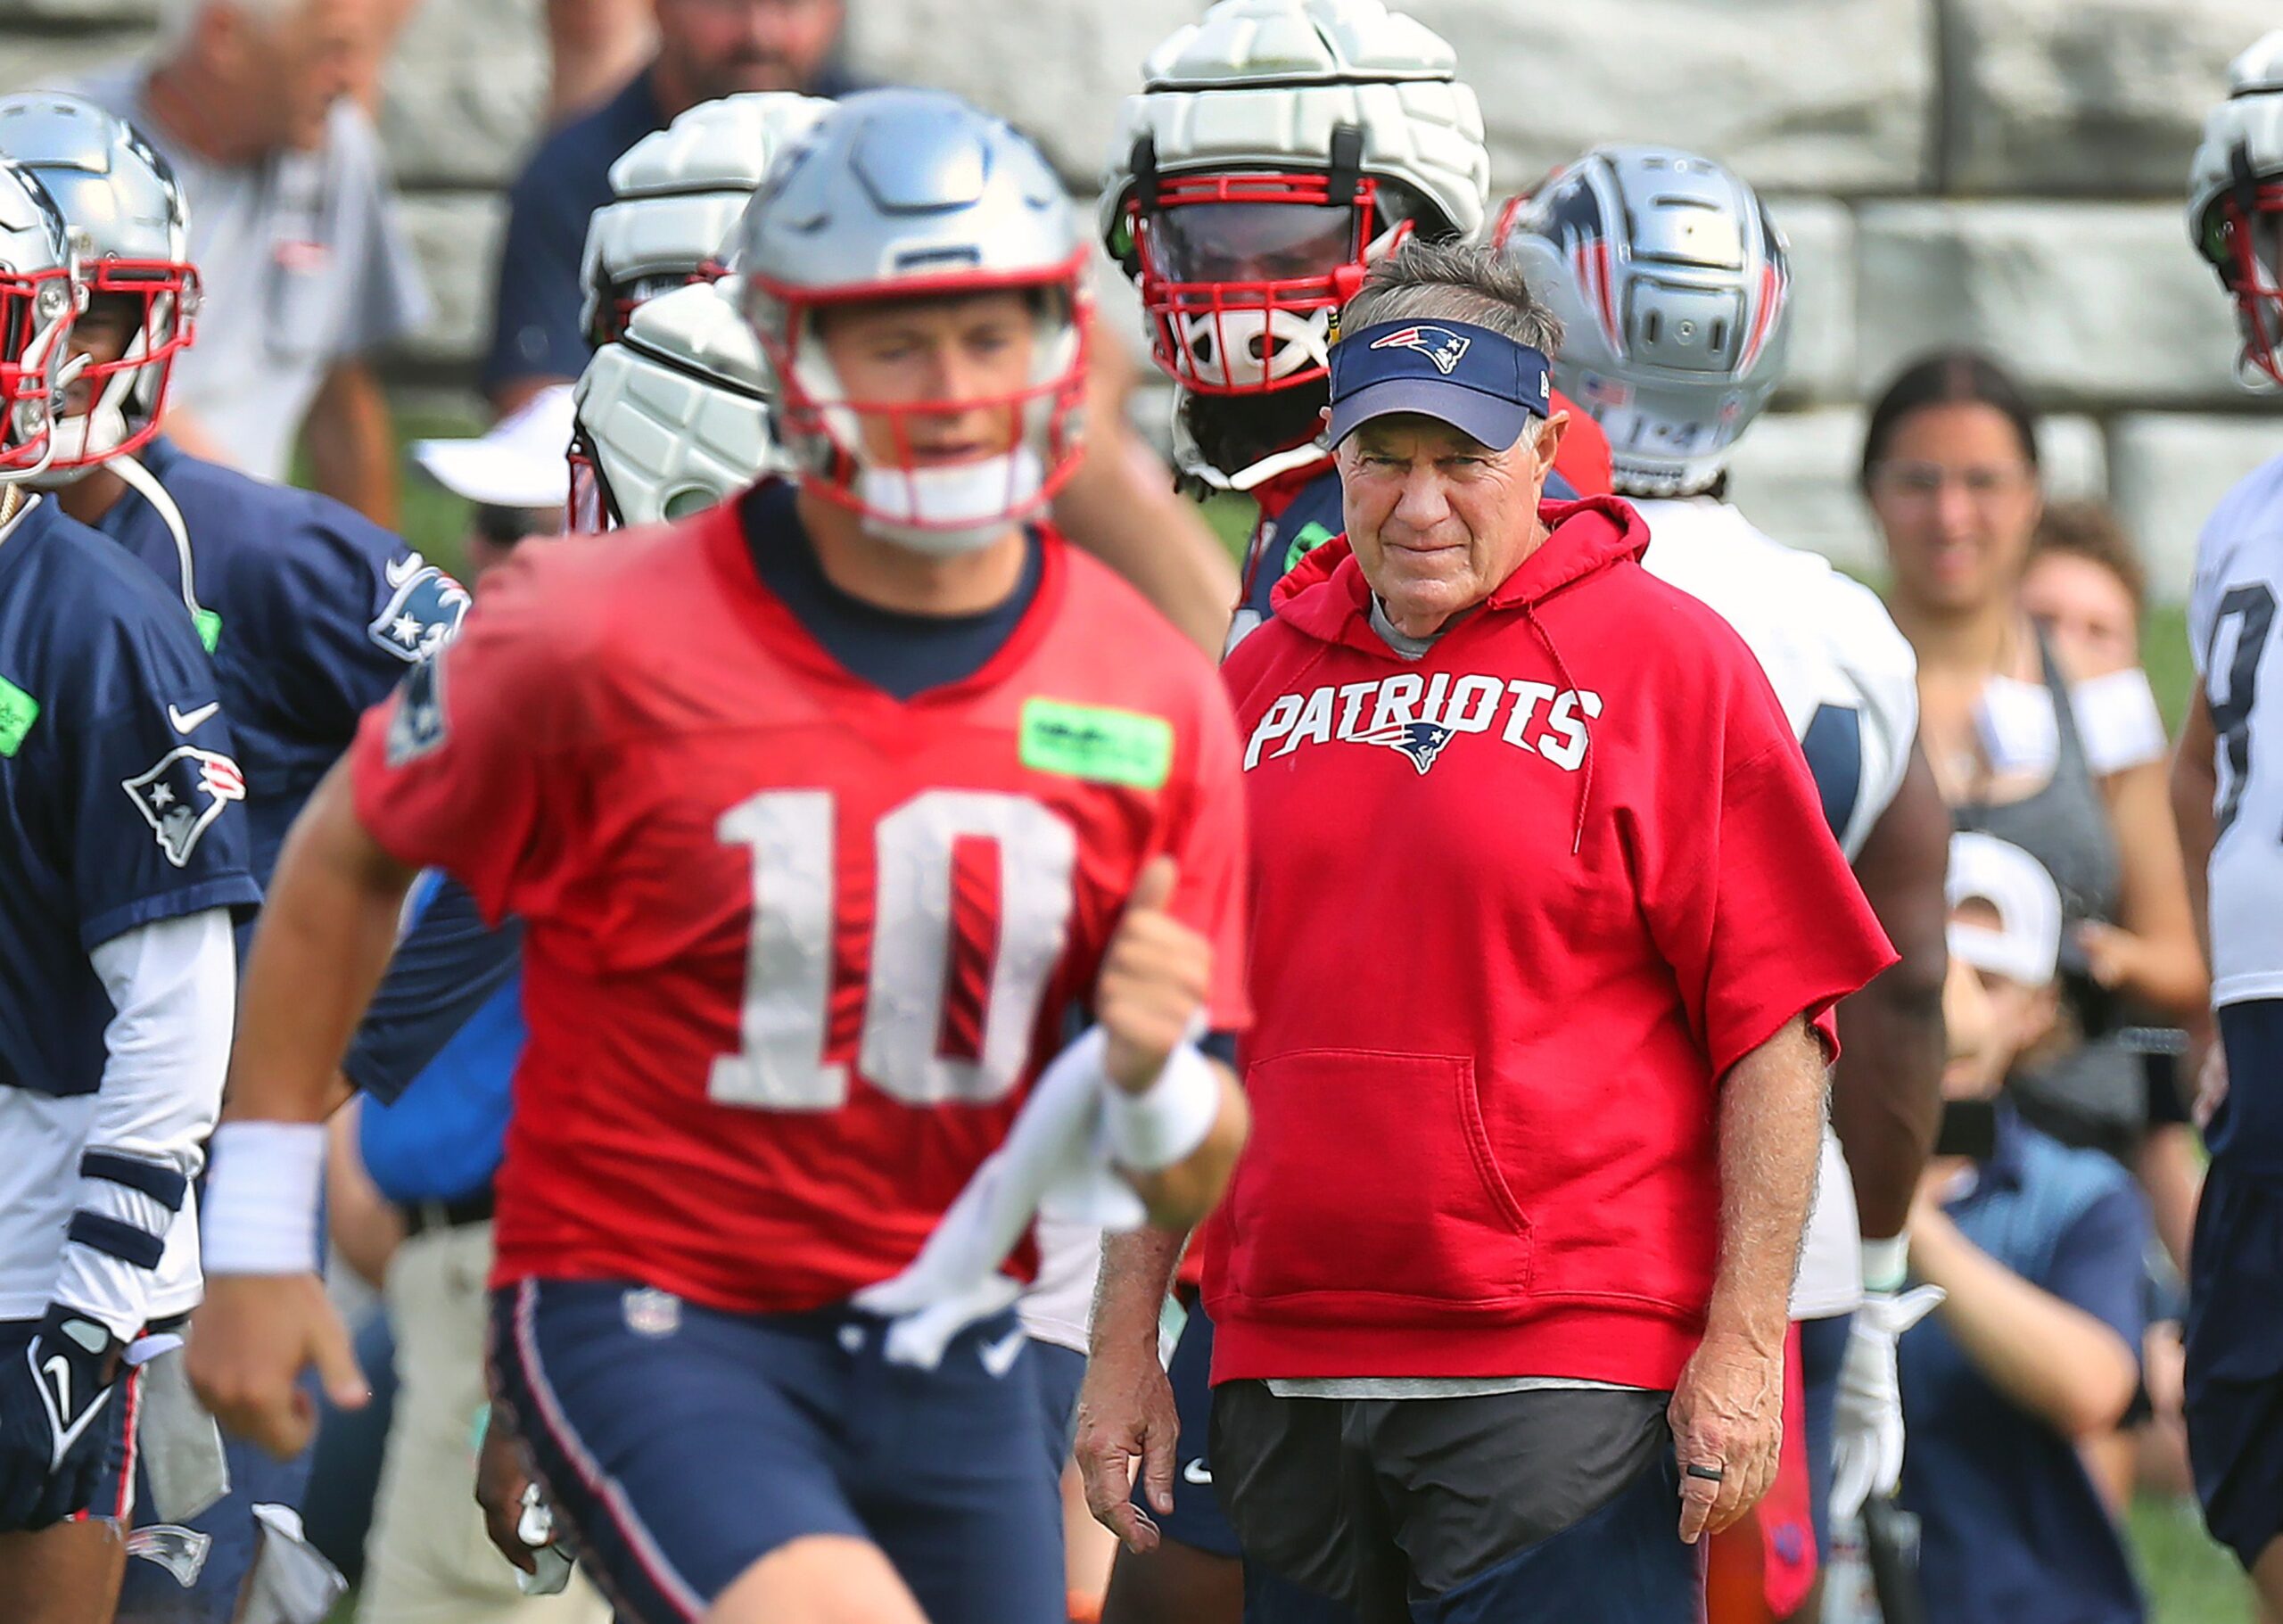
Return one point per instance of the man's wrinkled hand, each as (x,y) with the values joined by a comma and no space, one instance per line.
(251,1339)
(1727,1419)
(1125,1414)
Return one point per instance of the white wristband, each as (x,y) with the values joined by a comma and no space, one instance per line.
(1166,1121)
(1886,1264)
(261,1208)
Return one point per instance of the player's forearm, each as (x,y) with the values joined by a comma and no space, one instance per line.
(324,939)
(1770,1132)
(1886,1099)
(1137,1271)
(351,448)
(2195,783)
(1179,1196)
(1886,1092)
(172,985)
(2050,1356)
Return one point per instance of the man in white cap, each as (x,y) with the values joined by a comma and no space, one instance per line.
(2038,1248)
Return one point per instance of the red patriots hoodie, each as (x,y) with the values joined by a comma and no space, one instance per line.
(1518,906)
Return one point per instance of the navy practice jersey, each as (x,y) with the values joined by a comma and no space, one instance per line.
(313,614)
(119,791)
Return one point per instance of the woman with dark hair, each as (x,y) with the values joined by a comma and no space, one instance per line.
(1950,468)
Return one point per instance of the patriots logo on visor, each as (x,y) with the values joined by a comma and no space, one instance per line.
(1422,741)
(424,611)
(182,792)
(1440,345)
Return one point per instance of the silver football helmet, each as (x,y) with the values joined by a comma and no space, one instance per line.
(1672,284)
(914,195)
(128,226)
(2234,206)
(672,417)
(679,193)
(1277,148)
(40,297)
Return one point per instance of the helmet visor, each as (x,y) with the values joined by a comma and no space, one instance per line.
(1255,245)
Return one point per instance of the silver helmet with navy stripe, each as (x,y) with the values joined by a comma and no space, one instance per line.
(2234,206)
(678,194)
(130,228)
(915,197)
(1673,287)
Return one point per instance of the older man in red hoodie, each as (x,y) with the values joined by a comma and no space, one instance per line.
(1544,947)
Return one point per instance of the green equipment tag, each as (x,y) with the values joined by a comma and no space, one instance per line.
(1312,536)
(210,628)
(18,711)
(1106,747)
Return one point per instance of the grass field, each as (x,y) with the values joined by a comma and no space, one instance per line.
(2190,1580)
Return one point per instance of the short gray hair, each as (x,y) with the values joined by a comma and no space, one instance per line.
(1468,282)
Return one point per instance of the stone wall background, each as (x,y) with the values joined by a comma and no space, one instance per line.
(2009,173)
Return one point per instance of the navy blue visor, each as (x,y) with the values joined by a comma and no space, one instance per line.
(1481,382)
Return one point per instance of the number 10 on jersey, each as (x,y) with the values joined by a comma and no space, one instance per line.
(785,1013)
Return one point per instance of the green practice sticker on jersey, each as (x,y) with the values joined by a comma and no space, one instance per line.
(18,711)
(210,628)
(1312,536)
(1087,741)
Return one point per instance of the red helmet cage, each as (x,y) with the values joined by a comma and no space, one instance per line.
(149,281)
(27,393)
(1173,306)
(833,471)
(2256,286)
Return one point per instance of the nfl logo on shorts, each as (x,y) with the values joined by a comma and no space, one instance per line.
(651,1313)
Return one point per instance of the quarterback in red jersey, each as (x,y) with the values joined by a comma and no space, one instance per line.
(822,810)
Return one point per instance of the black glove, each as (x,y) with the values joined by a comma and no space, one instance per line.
(53,1404)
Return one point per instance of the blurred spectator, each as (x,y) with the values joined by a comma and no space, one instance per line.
(1950,466)
(706,49)
(593,46)
(2039,1247)
(292,226)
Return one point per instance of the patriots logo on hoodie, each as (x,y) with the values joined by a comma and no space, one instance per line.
(1440,345)
(1422,741)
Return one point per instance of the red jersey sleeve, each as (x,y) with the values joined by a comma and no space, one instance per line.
(1753,904)
(1206,838)
(451,771)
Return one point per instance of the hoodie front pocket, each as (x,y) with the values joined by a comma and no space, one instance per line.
(1370,1174)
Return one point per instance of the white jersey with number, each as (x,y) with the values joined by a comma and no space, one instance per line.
(1849,683)
(2231,631)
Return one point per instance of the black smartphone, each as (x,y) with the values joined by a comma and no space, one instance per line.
(1969,1129)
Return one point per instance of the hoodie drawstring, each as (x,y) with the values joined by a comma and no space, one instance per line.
(1585,781)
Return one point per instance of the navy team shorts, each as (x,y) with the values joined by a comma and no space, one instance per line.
(2234,1387)
(680,1445)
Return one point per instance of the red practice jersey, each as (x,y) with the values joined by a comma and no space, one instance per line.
(793,949)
